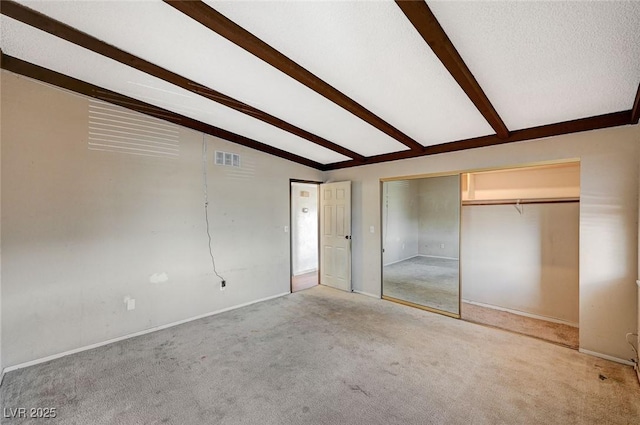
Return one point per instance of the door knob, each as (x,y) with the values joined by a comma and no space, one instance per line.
(347,237)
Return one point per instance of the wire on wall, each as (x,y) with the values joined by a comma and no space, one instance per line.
(206,206)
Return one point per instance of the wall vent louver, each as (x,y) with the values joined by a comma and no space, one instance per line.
(227,159)
(219,158)
(115,129)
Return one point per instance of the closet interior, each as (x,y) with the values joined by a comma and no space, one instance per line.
(497,247)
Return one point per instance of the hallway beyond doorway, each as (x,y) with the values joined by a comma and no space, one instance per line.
(304,281)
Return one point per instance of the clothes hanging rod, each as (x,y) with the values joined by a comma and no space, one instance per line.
(520,201)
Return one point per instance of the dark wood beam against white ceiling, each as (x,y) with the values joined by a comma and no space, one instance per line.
(429,28)
(226,28)
(68,33)
(36,72)
(635,111)
(61,30)
(614,119)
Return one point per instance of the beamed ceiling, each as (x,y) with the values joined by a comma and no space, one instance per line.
(342,83)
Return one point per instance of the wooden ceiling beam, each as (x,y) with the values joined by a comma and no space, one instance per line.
(226,28)
(567,127)
(36,72)
(42,22)
(429,28)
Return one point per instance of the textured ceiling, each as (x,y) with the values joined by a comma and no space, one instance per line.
(544,62)
(37,47)
(189,49)
(370,52)
(538,63)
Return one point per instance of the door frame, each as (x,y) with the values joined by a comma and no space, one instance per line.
(291,182)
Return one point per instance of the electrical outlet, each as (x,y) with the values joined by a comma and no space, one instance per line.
(223,284)
(441,246)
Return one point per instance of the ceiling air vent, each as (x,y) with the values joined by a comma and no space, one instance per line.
(227,159)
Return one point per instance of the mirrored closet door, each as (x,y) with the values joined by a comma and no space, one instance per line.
(421,242)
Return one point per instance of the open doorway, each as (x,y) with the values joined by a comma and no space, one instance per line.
(304,234)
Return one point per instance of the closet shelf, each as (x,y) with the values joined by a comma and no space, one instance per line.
(471,202)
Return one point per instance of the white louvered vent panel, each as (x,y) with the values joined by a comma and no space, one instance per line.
(115,129)
(219,158)
(227,159)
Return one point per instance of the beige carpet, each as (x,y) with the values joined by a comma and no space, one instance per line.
(426,281)
(549,331)
(323,356)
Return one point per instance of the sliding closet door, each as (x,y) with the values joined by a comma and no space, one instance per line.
(421,242)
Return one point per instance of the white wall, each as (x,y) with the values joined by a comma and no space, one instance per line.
(400,218)
(83,229)
(304,228)
(525,262)
(439,211)
(608,220)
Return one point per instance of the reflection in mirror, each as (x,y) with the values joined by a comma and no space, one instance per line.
(421,242)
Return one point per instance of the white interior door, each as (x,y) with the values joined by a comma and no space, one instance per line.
(335,235)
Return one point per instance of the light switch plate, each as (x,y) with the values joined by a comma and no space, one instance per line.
(131,304)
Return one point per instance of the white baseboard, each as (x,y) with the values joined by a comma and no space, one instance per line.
(606,357)
(419,255)
(400,260)
(367,294)
(522,313)
(133,335)
(437,256)
(2,377)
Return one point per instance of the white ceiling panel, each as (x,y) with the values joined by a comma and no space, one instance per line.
(35,46)
(372,53)
(546,62)
(160,34)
